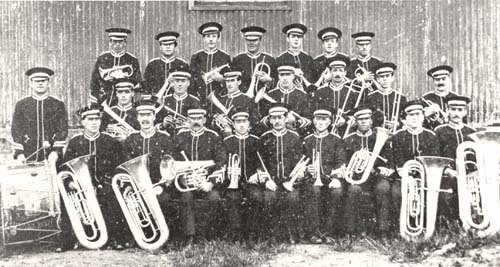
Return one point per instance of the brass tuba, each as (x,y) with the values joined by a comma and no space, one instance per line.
(420,188)
(81,204)
(137,198)
(478,192)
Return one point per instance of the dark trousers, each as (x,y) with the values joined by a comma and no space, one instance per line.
(212,199)
(282,211)
(448,208)
(254,210)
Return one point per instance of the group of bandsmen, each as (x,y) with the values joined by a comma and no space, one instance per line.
(302,113)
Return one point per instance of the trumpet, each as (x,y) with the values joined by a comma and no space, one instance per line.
(233,171)
(137,198)
(297,171)
(317,164)
(122,129)
(260,67)
(420,188)
(81,204)
(436,116)
(116,72)
(207,76)
(175,119)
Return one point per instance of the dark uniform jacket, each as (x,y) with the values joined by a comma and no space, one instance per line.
(247,62)
(128,113)
(99,88)
(408,145)
(331,149)
(440,99)
(202,62)
(156,144)
(450,136)
(246,147)
(384,104)
(335,97)
(181,104)
(157,72)
(297,100)
(281,151)
(106,156)
(37,119)
(205,144)
(303,60)
(368,63)
(321,62)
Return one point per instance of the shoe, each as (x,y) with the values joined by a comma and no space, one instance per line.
(329,240)
(315,240)
(118,246)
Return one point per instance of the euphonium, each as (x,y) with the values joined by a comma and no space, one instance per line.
(233,170)
(420,188)
(297,171)
(116,72)
(81,204)
(137,198)
(478,193)
(317,163)
(254,83)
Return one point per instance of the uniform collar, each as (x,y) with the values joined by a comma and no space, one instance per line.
(148,134)
(40,97)
(329,55)
(286,91)
(364,59)
(443,94)
(211,51)
(338,88)
(241,136)
(388,92)
(91,138)
(279,133)
(256,55)
(113,53)
(199,132)
(415,132)
(235,94)
(459,126)
(293,53)
(180,98)
(167,60)
(325,133)
(124,108)
(368,133)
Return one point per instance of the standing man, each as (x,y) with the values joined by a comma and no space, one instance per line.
(248,60)
(111,65)
(329,37)
(211,58)
(451,135)
(364,59)
(159,69)
(435,111)
(306,69)
(40,121)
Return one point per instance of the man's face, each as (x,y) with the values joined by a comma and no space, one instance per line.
(295,41)
(91,124)
(210,40)
(457,113)
(181,85)
(386,80)
(415,119)
(364,49)
(321,123)
(253,46)
(233,85)
(330,45)
(117,46)
(39,85)
(124,96)
(196,123)
(338,74)
(167,49)
(241,125)
(286,79)
(442,83)
(364,123)
(278,122)
(146,119)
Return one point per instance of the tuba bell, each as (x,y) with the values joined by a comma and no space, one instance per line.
(420,188)
(81,204)
(137,198)
(477,181)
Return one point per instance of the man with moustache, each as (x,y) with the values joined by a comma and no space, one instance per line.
(206,60)
(109,65)
(329,37)
(364,59)
(451,135)
(435,111)
(158,70)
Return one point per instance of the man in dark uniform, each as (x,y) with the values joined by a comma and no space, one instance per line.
(40,122)
(304,62)
(281,150)
(435,110)
(245,146)
(111,65)
(248,60)
(199,143)
(159,69)
(208,59)
(451,135)
(106,155)
(364,59)
(386,100)
(124,109)
(329,37)
(411,142)
(377,187)
(327,154)
(173,113)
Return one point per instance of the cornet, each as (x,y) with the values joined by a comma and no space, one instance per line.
(207,76)
(436,116)
(175,119)
(254,83)
(297,171)
(116,72)
(233,171)
(317,164)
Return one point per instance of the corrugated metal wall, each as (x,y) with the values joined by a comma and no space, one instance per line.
(68,36)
